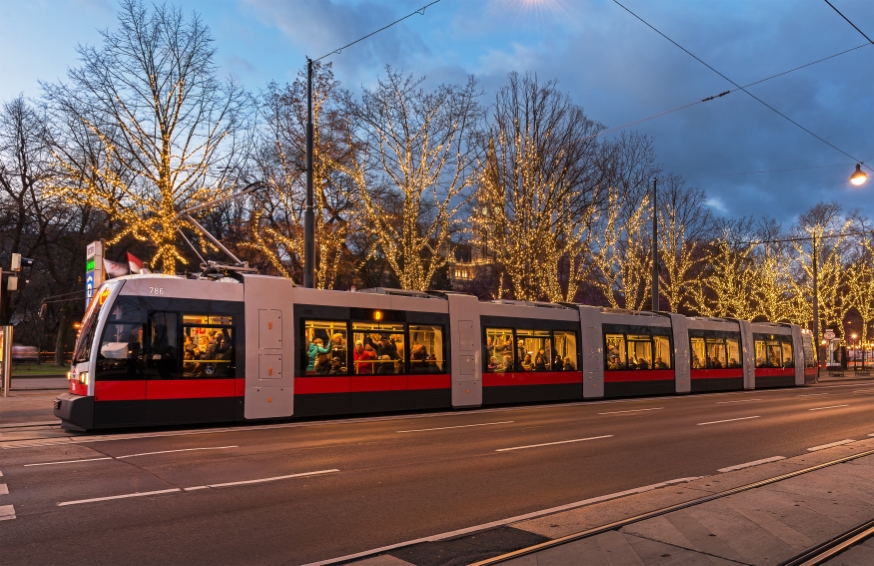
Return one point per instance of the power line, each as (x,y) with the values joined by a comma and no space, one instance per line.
(849,22)
(773,170)
(720,95)
(420,11)
(738,87)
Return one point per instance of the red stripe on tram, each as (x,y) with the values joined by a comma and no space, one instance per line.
(638,375)
(769,372)
(429,381)
(190,388)
(134,390)
(717,373)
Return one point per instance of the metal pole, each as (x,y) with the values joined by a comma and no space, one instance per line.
(816,306)
(6,358)
(655,245)
(308,220)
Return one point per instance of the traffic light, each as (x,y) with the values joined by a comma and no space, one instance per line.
(18,262)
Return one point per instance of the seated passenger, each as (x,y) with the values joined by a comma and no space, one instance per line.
(715,364)
(493,364)
(337,367)
(732,363)
(659,364)
(363,365)
(527,363)
(506,365)
(642,364)
(568,365)
(541,361)
(558,363)
(385,366)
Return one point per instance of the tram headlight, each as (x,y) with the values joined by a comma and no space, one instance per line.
(83,378)
(69,375)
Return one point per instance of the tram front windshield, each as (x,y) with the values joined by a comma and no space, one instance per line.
(82,351)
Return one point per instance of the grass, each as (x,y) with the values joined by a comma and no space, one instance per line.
(39,369)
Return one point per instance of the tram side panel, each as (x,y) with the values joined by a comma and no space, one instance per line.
(682,375)
(639,354)
(269,376)
(798,348)
(465,352)
(749,354)
(592,360)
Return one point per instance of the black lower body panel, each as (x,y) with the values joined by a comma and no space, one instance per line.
(510,394)
(112,414)
(75,411)
(326,404)
(638,388)
(775,381)
(717,384)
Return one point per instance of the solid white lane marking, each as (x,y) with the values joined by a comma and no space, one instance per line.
(67,462)
(631,411)
(507,521)
(738,401)
(730,420)
(824,446)
(751,464)
(7,512)
(125,496)
(865,391)
(169,451)
(4,489)
(831,407)
(459,426)
(811,394)
(196,487)
(262,480)
(553,443)
(872,434)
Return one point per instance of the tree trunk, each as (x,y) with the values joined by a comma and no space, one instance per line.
(61,342)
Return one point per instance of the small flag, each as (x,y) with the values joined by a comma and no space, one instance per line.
(114,268)
(136,264)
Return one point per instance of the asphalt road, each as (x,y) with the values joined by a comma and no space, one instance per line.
(386,480)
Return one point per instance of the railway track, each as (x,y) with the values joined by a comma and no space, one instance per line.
(811,557)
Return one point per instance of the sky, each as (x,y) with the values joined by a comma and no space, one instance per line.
(748,159)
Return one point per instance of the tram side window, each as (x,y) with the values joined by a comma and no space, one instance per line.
(325,348)
(616,351)
(426,349)
(639,352)
(162,359)
(699,355)
(565,354)
(533,350)
(716,353)
(768,354)
(809,355)
(662,352)
(733,352)
(788,358)
(382,348)
(120,355)
(499,350)
(207,346)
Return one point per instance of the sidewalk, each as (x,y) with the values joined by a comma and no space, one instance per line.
(766,525)
(28,407)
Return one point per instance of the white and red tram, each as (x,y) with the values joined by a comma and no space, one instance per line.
(163,350)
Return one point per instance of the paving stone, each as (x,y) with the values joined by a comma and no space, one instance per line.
(583,552)
(617,550)
(654,553)
(661,530)
(769,522)
(702,537)
(384,560)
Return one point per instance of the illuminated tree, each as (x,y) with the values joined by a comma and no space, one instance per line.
(413,170)
(277,222)
(860,283)
(168,129)
(726,286)
(683,220)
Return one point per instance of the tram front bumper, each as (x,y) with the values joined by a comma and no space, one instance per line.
(75,411)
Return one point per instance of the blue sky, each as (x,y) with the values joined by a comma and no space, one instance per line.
(610,63)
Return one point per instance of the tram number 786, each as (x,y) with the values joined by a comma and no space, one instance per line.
(156,290)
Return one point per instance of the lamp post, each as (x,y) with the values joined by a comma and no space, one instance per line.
(655,245)
(309,229)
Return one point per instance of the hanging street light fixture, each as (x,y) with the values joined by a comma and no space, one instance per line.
(858,177)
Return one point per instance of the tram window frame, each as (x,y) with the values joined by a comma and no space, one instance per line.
(733,345)
(720,348)
(304,340)
(434,363)
(381,366)
(788,360)
(626,339)
(764,347)
(217,322)
(516,334)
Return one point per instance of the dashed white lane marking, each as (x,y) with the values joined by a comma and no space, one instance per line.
(730,420)
(179,450)
(459,426)
(751,464)
(631,411)
(830,445)
(125,496)
(553,443)
(811,394)
(194,488)
(7,512)
(830,407)
(872,434)
(67,462)
(507,521)
(3,489)
(738,401)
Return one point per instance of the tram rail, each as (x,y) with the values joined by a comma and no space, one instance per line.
(811,557)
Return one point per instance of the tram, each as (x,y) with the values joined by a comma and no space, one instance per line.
(166,350)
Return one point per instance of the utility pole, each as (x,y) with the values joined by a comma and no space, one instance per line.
(309,230)
(655,245)
(816,303)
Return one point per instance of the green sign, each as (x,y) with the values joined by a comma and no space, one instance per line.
(89,265)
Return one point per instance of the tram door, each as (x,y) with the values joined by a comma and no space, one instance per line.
(465,341)
(269,347)
(593,352)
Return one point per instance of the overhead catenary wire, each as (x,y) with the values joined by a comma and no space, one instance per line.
(849,22)
(739,87)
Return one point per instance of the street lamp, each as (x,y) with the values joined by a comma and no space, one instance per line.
(858,177)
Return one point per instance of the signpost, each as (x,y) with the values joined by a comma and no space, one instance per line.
(6,358)
(94,274)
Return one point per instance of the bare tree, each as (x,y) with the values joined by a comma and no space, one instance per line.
(169,130)
(414,169)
